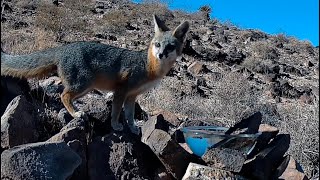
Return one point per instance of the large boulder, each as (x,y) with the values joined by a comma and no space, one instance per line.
(18,123)
(121,156)
(43,160)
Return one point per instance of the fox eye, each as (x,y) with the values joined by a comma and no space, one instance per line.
(157,44)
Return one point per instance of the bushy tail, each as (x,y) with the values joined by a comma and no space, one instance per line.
(35,65)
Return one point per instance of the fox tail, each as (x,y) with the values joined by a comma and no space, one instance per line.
(35,65)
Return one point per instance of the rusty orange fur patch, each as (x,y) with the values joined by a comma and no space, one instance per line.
(102,82)
(153,67)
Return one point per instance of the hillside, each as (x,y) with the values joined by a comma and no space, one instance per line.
(225,75)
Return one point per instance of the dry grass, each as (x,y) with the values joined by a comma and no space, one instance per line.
(21,42)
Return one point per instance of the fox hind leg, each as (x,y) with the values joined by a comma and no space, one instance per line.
(67,97)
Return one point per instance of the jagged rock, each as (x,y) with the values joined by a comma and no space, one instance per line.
(250,124)
(80,173)
(263,165)
(171,154)
(120,156)
(18,123)
(200,172)
(74,134)
(267,133)
(75,129)
(42,160)
(290,169)
(186,147)
(225,159)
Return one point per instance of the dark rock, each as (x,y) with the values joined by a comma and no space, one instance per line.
(264,164)
(42,160)
(225,159)
(120,156)
(267,133)
(290,169)
(80,173)
(10,88)
(19,123)
(197,171)
(74,130)
(251,124)
(74,134)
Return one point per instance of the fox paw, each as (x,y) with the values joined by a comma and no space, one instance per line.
(134,129)
(117,126)
(79,114)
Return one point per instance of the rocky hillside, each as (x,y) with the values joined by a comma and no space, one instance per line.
(225,75)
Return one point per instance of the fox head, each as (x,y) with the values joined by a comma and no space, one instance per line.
(167,45)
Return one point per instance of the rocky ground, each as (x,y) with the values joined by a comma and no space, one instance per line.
(226,75)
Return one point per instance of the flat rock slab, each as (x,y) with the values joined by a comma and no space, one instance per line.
(42,160)
(225,159)
(200,172)
(18,123)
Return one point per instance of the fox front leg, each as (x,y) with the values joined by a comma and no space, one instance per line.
(118,99)
(129,109)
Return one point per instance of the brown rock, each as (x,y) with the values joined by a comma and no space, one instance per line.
(225,159)
(171,154)
(290,169)
(172,118)
(200,172)
(186,147)
(195,68)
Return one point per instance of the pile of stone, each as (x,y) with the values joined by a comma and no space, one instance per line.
(39,140)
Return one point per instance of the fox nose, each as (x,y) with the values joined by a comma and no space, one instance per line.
(160,56)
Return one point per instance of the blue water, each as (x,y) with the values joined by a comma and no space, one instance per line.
(197,145)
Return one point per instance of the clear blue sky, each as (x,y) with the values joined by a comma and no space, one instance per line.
(298,18)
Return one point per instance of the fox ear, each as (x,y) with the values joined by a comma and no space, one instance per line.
(181,31)
(159,25)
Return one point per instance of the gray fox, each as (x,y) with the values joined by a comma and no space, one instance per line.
(84,66)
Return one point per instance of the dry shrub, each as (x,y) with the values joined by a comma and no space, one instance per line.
(301,121)
(264,50)
(62,20)
(256,64)
(301,47)
(232,100)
